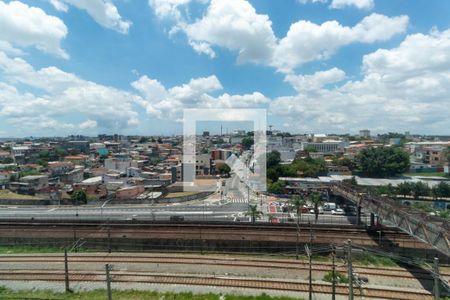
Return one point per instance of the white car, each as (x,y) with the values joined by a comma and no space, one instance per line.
(337,211)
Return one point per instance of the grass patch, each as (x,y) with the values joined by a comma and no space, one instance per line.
(428,174)
(125,295)
(179,194)
(6,194)
(33,249)
(374,260)
(340,277)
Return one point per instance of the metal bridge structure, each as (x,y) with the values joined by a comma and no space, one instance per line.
(430,229)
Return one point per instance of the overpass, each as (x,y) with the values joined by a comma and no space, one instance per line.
(430,229)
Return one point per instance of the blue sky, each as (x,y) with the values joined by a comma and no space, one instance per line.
(101,66)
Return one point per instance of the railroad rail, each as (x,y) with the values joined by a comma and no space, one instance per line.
(429,229)
(393,272)
(214,281)
(189,232)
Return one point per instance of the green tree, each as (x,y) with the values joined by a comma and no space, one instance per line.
(441,190)
(247,143)
(420,189)
(296,203)
(316,200)
(254,212)
(405,188)
(383,162)
(224,169)
(273,159)
(276,187)
(78,197)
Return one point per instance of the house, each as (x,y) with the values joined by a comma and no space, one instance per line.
(36,182)
(129,192)
(93,187)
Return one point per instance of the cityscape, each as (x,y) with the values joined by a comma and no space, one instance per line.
(224,149)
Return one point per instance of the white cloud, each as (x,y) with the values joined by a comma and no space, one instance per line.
(24,26)
(104,12)
(234,25)
(168,8)
(360,4)
(405,88)
(312,1)
(306,41)
(88,124)
(168,103)
(315,81)
(64,95)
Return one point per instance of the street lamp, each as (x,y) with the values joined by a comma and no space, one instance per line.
(101,208)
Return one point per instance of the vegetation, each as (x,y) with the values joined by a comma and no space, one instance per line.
(6,194)
(307,167)
(383,162)
(31,249)
(224,169)
(339,277)
(247,143)
(276,187)
(316,200)
(417,189)
(124,295)
(297,202)
(254,212)
(78,197)
(29,173)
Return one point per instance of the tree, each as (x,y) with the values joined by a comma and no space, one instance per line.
(420,189)
(316,200)
(78,197)
(383,162)
(297,202)
(247,143)
(273,159)
(276,187)
(224,169)
(405,189)
(254,212)
(441,190)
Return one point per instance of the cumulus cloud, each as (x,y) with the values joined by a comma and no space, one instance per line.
(53,95)
(63,94)
(339,4)
(165,102)
(315,81)
(234,25)
(104,12)
(403,88)
(360,4)
(307,41)
(168,8)
(24,26)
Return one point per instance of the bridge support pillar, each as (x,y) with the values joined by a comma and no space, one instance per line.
(358,215)
(372,219)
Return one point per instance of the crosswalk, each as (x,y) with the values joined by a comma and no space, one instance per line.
(237,200)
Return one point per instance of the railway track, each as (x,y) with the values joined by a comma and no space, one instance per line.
(208,232)
(224,262)
(229,282)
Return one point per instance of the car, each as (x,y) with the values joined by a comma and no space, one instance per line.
(337,211)
(311,211)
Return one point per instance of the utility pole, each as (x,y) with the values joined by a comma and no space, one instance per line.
(296,244)
(66,271)
(109,236)
(350,270)
(333,273)
(108,282)
(310,261)
(436,279)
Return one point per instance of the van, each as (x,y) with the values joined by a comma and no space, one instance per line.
(329,206)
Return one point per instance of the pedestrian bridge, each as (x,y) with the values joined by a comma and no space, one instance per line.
(430,229)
